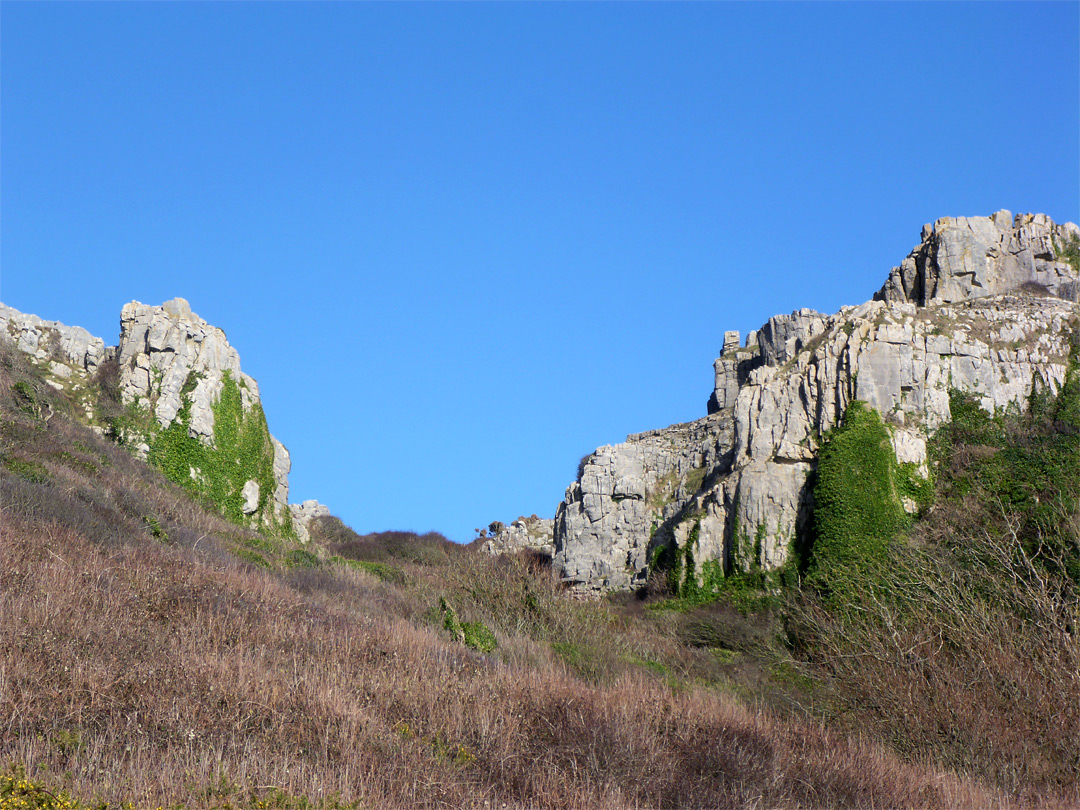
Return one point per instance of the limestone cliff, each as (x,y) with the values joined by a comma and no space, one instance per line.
(983,305)
(189,407)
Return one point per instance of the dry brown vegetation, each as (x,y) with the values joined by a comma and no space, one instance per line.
(963,644)
(150,651)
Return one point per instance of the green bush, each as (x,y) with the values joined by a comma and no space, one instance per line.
(301,558)
(478,636)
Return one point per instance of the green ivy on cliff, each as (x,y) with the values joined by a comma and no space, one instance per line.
(857,508)
(242,452)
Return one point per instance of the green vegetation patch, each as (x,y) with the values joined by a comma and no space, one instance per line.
(26,400)
(83,465)
(17,792)
(1024,465)
(242,452)
(1070,252)
(478,636)
(157,531)
(384,571)
(301,558)
(857,508)
(472,634)
(30,470)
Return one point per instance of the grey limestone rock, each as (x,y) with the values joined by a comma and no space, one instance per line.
(629,497)
(66,349)
(68,356)
(983,306)
(250,494)
(960,258)
(161,348)
(303,514)
(169,357)
(532,533)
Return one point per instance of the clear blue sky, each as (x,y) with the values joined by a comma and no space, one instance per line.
(461,245)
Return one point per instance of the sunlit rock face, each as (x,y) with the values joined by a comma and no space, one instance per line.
(175,364)
(984,305)
(172,369)
(961,258)
(524,534)
(67,356)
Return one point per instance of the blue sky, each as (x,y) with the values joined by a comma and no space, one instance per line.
(461,245)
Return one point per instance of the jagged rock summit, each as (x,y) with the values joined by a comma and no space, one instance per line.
(190,408)
(183,370)
(983,305)
(960,258)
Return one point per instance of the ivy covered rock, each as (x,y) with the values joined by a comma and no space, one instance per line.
(187,406)
(984,306)
(197,416)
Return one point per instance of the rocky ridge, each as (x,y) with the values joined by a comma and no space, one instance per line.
(177,375)
(67,356)
(983,305)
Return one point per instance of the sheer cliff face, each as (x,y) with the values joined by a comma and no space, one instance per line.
(982,305)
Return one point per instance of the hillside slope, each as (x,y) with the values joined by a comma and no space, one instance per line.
(857,580)
(151,651)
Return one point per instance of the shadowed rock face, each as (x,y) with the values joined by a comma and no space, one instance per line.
(982,305)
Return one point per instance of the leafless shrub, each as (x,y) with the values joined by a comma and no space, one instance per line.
(969,655)
(145,672)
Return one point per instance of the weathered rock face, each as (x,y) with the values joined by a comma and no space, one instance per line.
(183,375)
(730,491)
(968,257)
(66,355)
(183,370)
(525,533)
(53,341)
(303,514)
(161,348)
(628,497)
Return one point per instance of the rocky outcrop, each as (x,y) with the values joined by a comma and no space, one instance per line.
(303,514)
(961,258)
(983,305)
(177,377)
(53,341)
(183,371)
(67,356)
(525,533)
(629,496)
(164,348)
